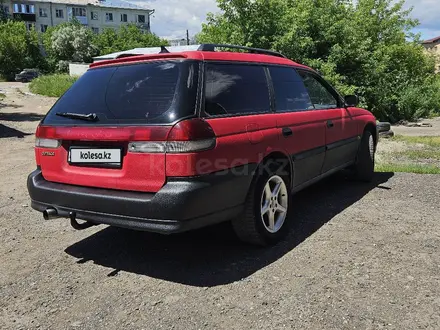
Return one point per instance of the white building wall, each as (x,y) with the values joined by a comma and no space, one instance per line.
(77,69)
(40,20)
(102,23)
(57,20)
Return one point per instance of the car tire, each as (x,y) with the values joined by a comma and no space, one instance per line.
(383,126)
(364,165)
(265,218)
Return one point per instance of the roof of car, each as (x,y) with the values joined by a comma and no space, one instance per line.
(206,52)
(202,56)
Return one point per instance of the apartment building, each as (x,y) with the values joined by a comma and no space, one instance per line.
(432,46)
(97,14)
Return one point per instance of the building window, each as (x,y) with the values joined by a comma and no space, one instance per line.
(59,13)
(43,12)
(30,26)
(25,9)
(109,17)
(95,30)
(94,15)
(141,19)
(77,11)
(6,10)
(123,17)
(43,28)
(21,8)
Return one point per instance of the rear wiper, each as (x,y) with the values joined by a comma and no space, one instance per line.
(89,117)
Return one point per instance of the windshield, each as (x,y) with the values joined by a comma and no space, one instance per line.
(156,92)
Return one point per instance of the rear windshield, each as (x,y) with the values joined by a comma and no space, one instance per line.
(148,93)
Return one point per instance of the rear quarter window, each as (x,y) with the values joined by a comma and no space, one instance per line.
(232,89)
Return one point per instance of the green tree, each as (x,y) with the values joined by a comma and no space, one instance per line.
(19,49)
(127,37)
(364,47)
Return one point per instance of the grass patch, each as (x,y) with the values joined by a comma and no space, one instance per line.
(410,154)
(52,85)
(432,154)
(408,168)
(3,79)
(2,96)
(432,141)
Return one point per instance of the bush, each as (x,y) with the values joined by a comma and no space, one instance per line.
(69,42)
(52,85)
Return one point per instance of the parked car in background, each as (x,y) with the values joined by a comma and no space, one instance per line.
(27,75)
(175,141)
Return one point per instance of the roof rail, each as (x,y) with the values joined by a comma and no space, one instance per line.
(202,47)
(163,50)
(212,47)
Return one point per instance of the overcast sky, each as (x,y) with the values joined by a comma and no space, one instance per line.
(173,17)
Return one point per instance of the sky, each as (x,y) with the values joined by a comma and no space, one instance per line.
(173,17)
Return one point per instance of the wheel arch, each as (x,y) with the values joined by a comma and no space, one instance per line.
(371,127)
(277,157)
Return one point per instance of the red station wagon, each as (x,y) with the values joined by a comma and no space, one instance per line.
(173,141)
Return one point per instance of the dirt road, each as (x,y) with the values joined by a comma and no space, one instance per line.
(361,256)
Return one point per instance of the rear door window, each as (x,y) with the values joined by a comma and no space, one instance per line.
(155,92)
(290,92)
(232,89)
(321,97)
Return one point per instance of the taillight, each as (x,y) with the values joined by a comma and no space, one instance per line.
(191,130)
(45,138)
(186,136)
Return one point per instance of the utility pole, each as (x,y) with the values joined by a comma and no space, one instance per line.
(187,37)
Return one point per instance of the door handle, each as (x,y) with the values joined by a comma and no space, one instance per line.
(330,124)
(286,131)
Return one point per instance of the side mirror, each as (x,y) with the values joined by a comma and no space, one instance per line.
(351,100)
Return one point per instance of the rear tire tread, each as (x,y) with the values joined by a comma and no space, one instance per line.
(245,227)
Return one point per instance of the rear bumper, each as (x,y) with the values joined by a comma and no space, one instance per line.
(182,204)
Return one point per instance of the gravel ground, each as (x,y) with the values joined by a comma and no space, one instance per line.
(364,256)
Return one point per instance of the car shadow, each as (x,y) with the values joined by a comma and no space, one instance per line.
(214,256)
(21,116)
(6,132)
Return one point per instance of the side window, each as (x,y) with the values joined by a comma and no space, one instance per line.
(290,92)
(320,96)
(235,89)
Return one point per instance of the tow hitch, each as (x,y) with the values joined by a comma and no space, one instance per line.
(79,226)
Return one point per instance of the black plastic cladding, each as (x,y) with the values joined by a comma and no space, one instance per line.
(183,203)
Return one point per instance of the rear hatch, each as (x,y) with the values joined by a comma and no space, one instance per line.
(93,135)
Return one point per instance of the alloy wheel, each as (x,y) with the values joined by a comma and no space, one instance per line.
(274,204)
